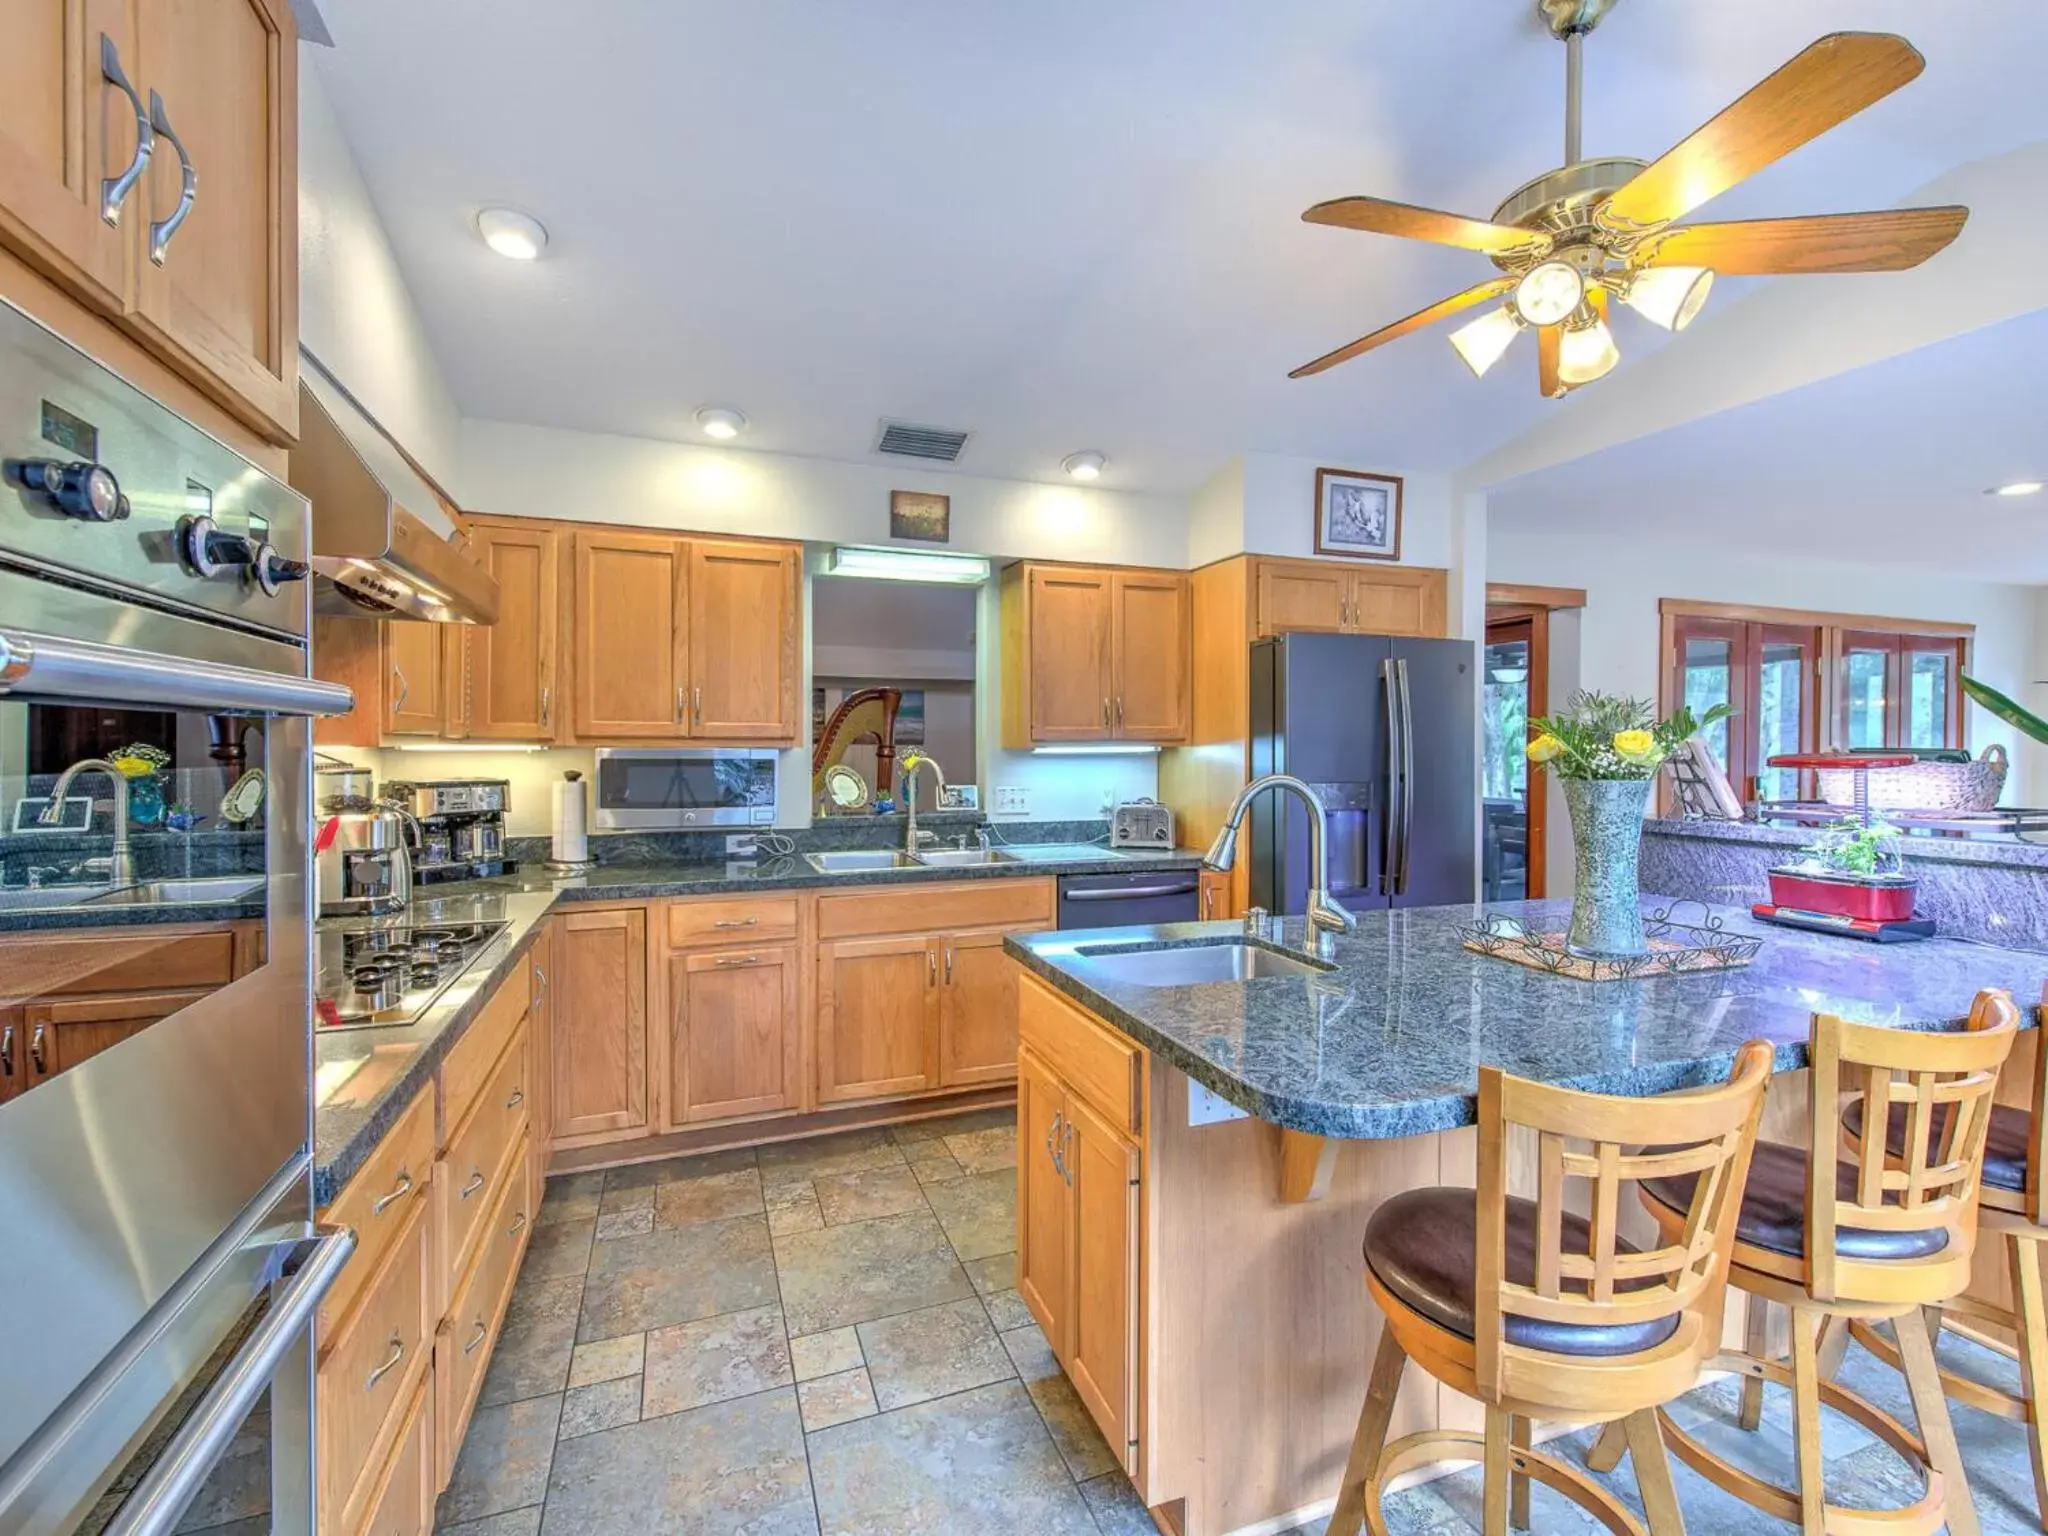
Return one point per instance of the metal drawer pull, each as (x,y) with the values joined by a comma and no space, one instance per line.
(476,1338)
(398,1192)
(736,922)
(476,1182)
(114,190)
(518,1098)
(390,1365)
(35,1050)
(541,996)
(518,1225)
(724,961)
(162,230)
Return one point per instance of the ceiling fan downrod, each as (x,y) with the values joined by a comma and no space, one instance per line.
(1569,21)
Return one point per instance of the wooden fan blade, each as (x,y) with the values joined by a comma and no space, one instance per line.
(1442,309)
(1827,83)
(1549,339)
(1379,217)
(1890,241)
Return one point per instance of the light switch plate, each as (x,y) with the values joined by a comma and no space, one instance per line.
(1206,1108)
(1012,800)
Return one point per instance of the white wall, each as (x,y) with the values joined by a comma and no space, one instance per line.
(355,314)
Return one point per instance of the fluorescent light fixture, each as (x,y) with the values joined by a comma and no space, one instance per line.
(1098,749)
(721,422)
(1549,292)
(1087,465)
(1586,354)
(1485,340)
(1669,296)
(511,233)
(906,565)
(464,746)
(2016,488)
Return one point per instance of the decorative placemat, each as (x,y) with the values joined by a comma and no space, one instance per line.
(1675,949)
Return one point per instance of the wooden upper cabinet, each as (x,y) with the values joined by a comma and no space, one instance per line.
(66,131)
(1293,597)
(1150,643)
(1091,654)
(513,693)
(1069,654)
(415,700)
(598,1023)
(742,646)
(629,635)
(734,1047)
(1320,596)
(1399,600)
(215,224)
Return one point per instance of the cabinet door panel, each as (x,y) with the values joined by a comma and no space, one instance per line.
(512,662)
(1297,597)
(1151,648)
(414,697)
(1041,1198)
(225,295)
(977,1010)
(743,641)
(60,1035)
(64,130)
(1070,655)
(1398,603)
(540,1035)
(1101,1347)
(628,647)
(876,999)
(733,1046)
(598,1022)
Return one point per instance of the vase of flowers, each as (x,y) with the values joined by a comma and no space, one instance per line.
(1606,752)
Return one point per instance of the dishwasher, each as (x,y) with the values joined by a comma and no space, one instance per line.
(1129,900)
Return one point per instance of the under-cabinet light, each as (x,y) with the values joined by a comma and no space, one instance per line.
(464,746)
(1097,749)
(907,565)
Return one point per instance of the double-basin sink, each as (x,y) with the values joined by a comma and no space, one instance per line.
(200,891)
(861,861)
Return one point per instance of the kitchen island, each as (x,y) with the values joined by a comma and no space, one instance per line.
(1199,1160)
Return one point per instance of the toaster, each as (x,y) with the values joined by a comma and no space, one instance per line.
(1141,824)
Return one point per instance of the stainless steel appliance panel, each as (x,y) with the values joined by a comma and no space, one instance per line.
(1128,900)
(676,789)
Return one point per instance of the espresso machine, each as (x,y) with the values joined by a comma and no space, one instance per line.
(362,863)
(461,824)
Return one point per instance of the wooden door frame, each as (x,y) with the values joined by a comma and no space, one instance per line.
(1536,836)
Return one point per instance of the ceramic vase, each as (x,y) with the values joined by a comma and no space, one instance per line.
(1607,831)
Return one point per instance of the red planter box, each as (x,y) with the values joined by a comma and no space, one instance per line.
(1886,901)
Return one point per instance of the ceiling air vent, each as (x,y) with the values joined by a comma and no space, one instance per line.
(908,441)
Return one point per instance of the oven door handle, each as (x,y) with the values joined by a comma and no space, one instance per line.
(171,1484)
(63,670)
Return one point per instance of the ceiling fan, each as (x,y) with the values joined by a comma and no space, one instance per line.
(1595,230)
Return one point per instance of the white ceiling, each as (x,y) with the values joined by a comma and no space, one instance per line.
(1886,464)
(1062,224)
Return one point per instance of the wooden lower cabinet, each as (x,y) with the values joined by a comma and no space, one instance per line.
(468,1334)
(540,961)
(405,1501)
(598,1022)
(1041,1196)
(977,1010)
(878,1002)
(734,1045)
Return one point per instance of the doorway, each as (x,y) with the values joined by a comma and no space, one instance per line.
(1514,692)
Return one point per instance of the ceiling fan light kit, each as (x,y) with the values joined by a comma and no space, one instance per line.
(1594,229)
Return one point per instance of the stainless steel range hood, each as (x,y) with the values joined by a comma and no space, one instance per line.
(380,539)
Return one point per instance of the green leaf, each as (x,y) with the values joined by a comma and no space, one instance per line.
(2011,713)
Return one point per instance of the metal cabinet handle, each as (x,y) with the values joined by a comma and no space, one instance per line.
(518,1098)
(35,1050)
(162,230)
(1067,1156)
(1052,1141)
(732,960)
(544,698)
(476,1338)
(736,922)
(398,1192)
(390,1364)
(697,706)
(1119,711)
(541,996)
(931,966)
(7,1051)
(518,1225)
(476,1182)
(114,190)
(949,965)
(682,704)
(404,688)
(1105,712)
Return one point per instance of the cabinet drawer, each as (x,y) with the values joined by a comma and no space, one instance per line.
(1097,1063)
(476,1161)
(405,1504)
(1008,903)
(368,1377)
(472,1058)
(467,1338)
(391,1185)
(731,922)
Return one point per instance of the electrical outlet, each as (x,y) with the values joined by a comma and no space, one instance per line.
(1013,800)
(741,845)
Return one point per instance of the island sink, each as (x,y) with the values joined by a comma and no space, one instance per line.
(1188,965)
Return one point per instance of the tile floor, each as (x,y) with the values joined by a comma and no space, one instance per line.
(823,1337)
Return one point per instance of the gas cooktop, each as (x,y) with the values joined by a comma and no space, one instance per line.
(374,975)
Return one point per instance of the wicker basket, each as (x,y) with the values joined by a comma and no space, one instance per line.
(1924,786)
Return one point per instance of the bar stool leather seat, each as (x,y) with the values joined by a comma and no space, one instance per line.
(2005,1147)
(1773,1213)
(1422,1244)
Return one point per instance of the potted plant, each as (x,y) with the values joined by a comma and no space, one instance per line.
(1854,869)
(1606,751)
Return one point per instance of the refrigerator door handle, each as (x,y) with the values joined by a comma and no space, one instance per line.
(1407,776)
(1390,802)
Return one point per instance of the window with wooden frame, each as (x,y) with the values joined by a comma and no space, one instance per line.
(1802,681)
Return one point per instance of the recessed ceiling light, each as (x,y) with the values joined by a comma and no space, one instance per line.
(512,233)
(2016,488)
(1085,466)
(719,422)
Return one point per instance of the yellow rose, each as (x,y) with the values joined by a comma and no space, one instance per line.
(1544,748)
(134,767)
(1636,746)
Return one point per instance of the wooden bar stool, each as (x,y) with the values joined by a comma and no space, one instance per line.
(2009,1203)
(1540,1313)
(1859,1238)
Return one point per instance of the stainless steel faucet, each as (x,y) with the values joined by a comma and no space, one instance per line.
(121,866)
(1326,916)
(908,769)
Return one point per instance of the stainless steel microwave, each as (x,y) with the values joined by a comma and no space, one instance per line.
(676,789)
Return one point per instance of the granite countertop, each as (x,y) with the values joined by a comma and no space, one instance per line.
(1390,1041)
(119,915)
(365,1077)
(1990,848)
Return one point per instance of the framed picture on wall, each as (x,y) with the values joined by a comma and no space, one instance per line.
(1358,515)
(920,515)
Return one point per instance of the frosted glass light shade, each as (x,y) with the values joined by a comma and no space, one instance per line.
(1482,342)
(1669,296)
(1586,354)
(1549,292)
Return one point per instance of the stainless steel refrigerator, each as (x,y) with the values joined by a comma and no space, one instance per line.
(1385,729)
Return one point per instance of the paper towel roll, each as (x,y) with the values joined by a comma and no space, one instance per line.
(571,823)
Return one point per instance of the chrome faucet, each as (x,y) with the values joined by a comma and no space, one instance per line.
(912,762)
(1326,916)
(121,867)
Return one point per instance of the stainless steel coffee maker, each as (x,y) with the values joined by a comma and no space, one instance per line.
(461,826)
(363,862)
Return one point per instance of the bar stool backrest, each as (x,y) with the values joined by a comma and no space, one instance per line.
(1589,1137)
(1944,1082)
